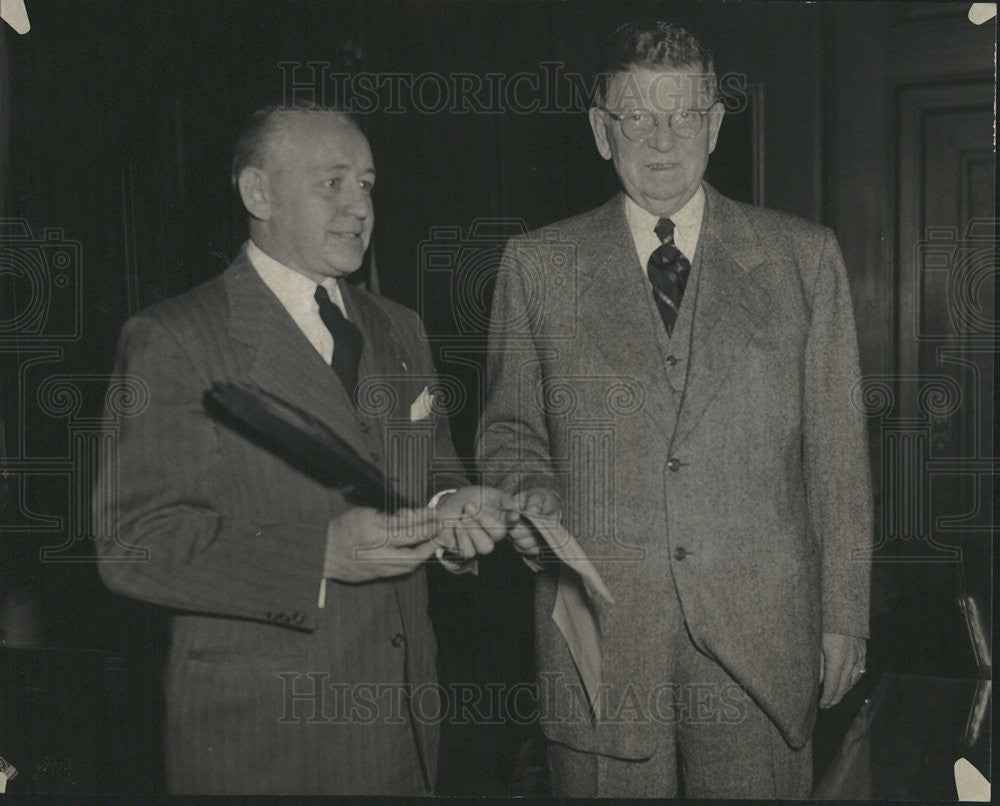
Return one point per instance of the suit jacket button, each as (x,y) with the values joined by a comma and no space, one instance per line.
(671,360)
(398,639)
(298,616)
(674,464)
(680,553)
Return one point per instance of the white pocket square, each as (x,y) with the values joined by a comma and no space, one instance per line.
(421,407)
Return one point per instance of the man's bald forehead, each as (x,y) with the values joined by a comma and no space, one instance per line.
(284,125)
(291,117)
(268,125)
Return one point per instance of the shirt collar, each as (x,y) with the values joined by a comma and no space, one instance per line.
(294,290)
(687,225)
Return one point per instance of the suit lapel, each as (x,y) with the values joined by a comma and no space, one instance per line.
(729,308)
(285,363)
(382,353)
(382,361)
(613,289)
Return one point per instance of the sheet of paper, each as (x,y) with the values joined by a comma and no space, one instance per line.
(971,783)
(420,408)
(567,549)
(576,621)
(7,772)
(574,612)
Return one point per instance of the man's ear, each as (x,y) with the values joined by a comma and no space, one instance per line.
(715,116)
(600,132)
(255,191)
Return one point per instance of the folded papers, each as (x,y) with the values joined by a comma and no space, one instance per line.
(567,549)
(574,612)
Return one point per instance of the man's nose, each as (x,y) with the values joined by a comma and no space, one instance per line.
(358,204)
(662,137)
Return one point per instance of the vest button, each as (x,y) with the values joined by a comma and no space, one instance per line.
(671,360)
(398,639)
(680,553)
(674,464)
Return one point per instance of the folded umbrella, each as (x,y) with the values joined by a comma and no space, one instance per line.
(303,440)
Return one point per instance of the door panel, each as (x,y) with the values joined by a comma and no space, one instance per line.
(912,199)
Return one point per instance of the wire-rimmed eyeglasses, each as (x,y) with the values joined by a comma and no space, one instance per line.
(638,124)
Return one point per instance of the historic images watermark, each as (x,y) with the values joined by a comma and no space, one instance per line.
(551,89)
(314,698)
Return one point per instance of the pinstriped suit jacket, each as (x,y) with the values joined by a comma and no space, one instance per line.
(734,480)
(266,692)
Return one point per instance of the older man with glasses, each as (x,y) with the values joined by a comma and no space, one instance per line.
(688,412)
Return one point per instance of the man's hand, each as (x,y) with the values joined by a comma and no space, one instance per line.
(474,519)
(841,666)
(365,544)
(538,502)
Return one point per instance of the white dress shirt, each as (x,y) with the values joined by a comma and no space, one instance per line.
(687,227)
(296,293)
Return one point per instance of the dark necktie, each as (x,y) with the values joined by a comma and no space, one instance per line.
(668,271)
(347,341)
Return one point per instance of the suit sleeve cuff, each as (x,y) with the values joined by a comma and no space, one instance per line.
(436,498)
(532,563)
(470,566)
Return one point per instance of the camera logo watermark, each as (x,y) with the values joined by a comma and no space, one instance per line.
(40,280)
(41,288)
(935,470)
(960,267)
(462,267)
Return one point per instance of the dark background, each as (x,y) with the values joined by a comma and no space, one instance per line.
(118,122)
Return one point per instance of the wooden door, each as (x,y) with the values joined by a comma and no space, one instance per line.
(913,201)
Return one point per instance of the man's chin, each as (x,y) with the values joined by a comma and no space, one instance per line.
(343,272)
(341,265)
(664,201)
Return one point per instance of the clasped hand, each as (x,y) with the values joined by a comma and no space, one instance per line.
(535,502)
(476,518)
(365,544)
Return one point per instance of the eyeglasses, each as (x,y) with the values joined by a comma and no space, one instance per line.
(638,124)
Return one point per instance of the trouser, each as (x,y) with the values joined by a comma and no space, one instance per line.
(729,752)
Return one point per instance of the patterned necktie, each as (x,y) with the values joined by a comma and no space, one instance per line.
(668,271)
(347,341)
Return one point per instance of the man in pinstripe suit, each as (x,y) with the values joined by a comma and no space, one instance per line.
(302,655)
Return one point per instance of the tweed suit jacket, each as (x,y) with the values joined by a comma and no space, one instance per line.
(266,692)
(729,473)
